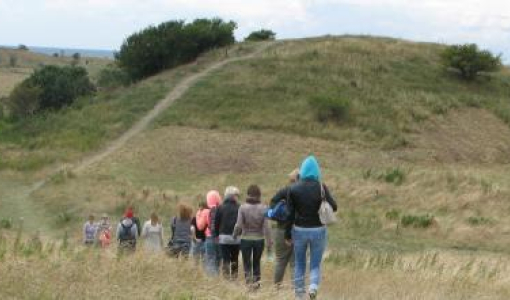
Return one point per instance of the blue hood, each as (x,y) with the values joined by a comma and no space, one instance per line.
(310,169)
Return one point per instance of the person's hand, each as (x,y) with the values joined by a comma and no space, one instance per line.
(288,242)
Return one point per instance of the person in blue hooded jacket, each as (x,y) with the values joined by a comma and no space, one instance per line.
(305,230)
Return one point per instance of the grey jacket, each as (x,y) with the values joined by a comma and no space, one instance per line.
(251,221)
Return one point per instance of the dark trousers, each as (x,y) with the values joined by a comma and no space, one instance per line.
(252,254)
(230,257)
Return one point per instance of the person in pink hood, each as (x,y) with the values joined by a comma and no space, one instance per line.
(205,221)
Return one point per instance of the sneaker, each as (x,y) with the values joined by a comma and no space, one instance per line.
(313,294)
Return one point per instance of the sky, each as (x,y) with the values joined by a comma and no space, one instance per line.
(104,24)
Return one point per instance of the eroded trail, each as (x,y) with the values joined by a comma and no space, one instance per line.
(15,197)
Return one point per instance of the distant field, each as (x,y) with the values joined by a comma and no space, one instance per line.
(26,62)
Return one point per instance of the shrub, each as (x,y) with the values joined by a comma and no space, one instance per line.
(111,77)
(478,221)
(393,215)
(469,61)
(24,100)
(330,109)
(23,47)
(422,221)
(59,86)
(396,176)
(5,224)
(170,44)
(261,35)
(64,218)
(13,61)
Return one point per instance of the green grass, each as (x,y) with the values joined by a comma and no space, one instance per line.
(35,142)
(390,86)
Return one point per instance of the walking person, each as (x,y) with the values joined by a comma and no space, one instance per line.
(89,231)
(152,233)
(131,211)
(284,252)
(206,221)
(127,234)
(198,236)
(180,243)
(255,233)
(104,232)
(305,229)
(225,221)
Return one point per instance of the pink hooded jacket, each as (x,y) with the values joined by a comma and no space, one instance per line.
(204,216)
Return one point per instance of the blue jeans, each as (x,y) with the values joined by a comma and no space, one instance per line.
(212,256)
(316,240)
(198,251)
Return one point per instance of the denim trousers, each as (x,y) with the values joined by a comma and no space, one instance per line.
(198,251)
(252,251)
(212,256)
(314,239)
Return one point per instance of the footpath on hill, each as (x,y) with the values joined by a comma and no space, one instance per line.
(15,200)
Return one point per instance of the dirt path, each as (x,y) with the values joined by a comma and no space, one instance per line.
(15,197)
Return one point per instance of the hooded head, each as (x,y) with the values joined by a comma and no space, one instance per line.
(213,199)
(232,192)
(129,213)
(310,169)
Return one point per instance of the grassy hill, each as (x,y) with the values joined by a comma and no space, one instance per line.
(419,168)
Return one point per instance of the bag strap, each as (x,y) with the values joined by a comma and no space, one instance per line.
(323,192)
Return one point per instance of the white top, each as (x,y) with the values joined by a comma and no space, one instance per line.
(153,237)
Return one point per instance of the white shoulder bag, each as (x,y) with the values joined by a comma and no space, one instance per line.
(326,213)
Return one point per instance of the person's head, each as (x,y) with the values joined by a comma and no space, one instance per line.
(202,204)
(232,192)
(91,218)
(104,218)
(254,194)
(310,169)
(213,199)
(129,213)
(185,211)
(294,176)
(154,218)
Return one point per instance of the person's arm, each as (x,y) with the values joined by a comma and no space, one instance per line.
(291,206)
(217,221)
(145,230)
(267,234)
(84,232)
(330,199)
(280,195)
(119,228)
(134,231)
(239,227)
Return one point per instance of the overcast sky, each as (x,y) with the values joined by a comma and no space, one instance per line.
(103,24)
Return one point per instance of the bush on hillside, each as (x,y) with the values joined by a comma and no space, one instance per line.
(50,87)
(170,44)
(261,35)
(469,61)
(13,61)
(24,100)
(417,221)
(330,109)
(112,77)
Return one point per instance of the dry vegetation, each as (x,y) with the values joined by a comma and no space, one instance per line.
(450,179)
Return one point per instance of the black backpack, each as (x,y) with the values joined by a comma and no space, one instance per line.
(126,234)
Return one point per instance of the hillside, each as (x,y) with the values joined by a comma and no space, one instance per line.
(417,144)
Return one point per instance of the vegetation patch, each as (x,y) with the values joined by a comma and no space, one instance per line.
(479,221)
(417,221)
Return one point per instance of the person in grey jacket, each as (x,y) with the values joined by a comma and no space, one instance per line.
(127,234)
(254,230)
(284,253)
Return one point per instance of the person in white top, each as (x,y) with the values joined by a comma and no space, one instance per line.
(152,233)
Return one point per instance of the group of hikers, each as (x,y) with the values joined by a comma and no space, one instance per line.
(223,227)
